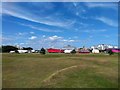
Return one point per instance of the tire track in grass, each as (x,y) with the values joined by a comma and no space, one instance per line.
(57,72)
(48,79)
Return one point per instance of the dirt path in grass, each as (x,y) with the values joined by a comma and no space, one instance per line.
(48,79)
(57,72)
(71,67)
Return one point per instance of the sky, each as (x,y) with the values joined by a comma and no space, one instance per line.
(57,24)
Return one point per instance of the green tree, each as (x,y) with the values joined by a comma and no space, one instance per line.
(1,49)
(73,51)
(8,48)
(42,51)
(27,48)
(110,52)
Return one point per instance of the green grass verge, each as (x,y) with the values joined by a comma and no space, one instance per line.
(29,70)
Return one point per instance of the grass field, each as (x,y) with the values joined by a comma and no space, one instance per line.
(59,71)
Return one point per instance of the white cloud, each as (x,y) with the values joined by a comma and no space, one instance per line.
(40,28)
(74,4)
(94,30)
(31,32)
(0,8)
(52,41)
(77,13)
(20,33)
(68,41)
(107,21)
(18,12)
(60,0)
(56,41)
(44,36)
(53,38)
(102,5)
(32,37)
(6,39)
(71,40)
(22,43)
(76,9)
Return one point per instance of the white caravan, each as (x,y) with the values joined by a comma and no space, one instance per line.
(67,51)
(22,51)
(12,52)
(95,50)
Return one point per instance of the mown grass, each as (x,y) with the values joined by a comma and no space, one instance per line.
(30,70)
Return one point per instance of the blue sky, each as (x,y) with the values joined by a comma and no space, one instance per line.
(47,24)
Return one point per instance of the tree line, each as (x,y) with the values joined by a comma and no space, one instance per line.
(8,48)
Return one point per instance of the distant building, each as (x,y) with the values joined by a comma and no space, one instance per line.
(102,46)
(83,50)
(68,47)
(115,46)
